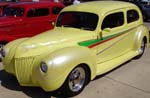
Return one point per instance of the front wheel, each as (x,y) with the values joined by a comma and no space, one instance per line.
(76,81)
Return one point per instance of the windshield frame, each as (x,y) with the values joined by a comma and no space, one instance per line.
(80,20)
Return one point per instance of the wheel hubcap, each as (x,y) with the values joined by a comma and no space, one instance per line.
(141,50)
(77,79)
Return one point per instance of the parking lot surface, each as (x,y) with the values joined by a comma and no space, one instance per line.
(130,80)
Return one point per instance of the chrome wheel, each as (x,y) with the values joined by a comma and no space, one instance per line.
(142,48)
(77,79)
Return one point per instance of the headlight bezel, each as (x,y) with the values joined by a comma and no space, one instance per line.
(43,67)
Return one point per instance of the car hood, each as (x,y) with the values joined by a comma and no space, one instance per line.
(6,21)
(52,40)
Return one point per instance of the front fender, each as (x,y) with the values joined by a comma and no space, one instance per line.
(61,62)
(10,50)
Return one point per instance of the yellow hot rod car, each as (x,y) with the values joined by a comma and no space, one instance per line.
(89,39)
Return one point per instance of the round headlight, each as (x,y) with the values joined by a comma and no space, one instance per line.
(43,67)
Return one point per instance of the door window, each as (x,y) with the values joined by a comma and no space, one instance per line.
(14,11)
(132,15)
(113,20)
(38,12)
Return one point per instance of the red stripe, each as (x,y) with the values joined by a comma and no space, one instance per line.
(91,46)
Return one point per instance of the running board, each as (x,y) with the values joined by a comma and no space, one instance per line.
(109,65)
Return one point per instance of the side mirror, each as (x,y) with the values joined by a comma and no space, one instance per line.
(107,30)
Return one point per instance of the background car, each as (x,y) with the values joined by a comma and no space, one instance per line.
(145,8)
(25,19)
(89,39)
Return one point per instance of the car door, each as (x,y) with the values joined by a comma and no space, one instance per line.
(113,37)
(37,20)
(13,23)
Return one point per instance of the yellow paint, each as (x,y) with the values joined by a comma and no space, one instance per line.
(60,49)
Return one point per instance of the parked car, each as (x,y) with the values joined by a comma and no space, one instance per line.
(145,8)
(89,39)
(25,19)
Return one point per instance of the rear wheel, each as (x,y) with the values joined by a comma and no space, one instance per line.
(76,81)
(141,49)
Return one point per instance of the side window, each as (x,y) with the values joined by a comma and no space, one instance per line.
(113,20)
(38,12)
(132,15)
(56,10)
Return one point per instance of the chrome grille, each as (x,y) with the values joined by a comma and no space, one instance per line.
(23,68)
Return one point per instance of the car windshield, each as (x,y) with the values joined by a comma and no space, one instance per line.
(81,20)
(13,11)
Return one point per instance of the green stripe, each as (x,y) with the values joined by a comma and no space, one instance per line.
(94,41)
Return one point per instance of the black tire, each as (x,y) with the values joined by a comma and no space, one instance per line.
(141,50)
(75,82)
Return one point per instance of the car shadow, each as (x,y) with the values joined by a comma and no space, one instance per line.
(10,82)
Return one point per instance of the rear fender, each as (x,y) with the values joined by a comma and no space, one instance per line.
(142,32)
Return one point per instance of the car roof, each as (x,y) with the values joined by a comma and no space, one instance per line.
(35,4)
(99,6)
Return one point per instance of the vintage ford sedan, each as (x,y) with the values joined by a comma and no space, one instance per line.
(26,19)
(89,39)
